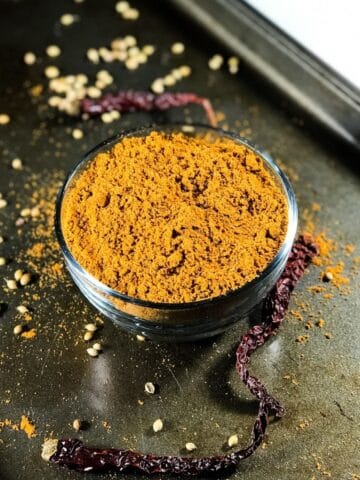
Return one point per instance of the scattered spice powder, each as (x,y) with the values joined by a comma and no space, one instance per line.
(28,426)
(165,218)
(29,334)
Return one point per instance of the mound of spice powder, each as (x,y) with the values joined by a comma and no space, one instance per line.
(173,218)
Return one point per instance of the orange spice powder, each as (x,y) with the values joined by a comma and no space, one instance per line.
(172,218)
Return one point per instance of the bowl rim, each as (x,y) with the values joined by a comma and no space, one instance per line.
(283,251)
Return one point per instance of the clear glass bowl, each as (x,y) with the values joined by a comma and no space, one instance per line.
(179,321)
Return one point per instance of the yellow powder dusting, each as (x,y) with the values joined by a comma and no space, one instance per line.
(29,334)
(302,338)
(171,218)
(349,249)
(336,272)
(27,426)
(9,424)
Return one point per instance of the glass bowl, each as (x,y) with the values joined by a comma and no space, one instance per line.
(189,320)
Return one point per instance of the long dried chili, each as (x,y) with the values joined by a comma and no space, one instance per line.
(130,101)
(73,454)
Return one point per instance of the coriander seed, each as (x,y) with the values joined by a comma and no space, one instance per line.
(91,327)
(18,274)
(25,279)
(11,284)
(22,309)
(88,336)
(92,352)
(177,48)
(17,164)
(53,51)
(233,440)
(18,329)
(4,118)
(77,424)
(158,425)
(150,388)
(67,19)
(29,58)
(190,446)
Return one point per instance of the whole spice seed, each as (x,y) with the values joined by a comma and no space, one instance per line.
(11,284)
(29,58)
(18,274)
(3,203)
(140,338)
(2,261)
(190,447)
(4,119)
(18,329)
(22,309)
(75,455)
(92,352)
(177,48)
(130,101)
(77,424)
(233,440)
(158,425)
(25,279)
(91,327)
(97,346)
(53,51)
(150,388)
(17,164)
(88,336)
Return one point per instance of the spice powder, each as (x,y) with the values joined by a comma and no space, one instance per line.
(173,218)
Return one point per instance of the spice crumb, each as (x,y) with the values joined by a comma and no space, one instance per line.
(302,338)
(29,334)
(328,335)
(27,426)
(320,323)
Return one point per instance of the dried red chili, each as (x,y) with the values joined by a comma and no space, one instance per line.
(129,101)
(73,454)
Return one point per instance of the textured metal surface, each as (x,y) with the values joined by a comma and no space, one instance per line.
(53,380)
